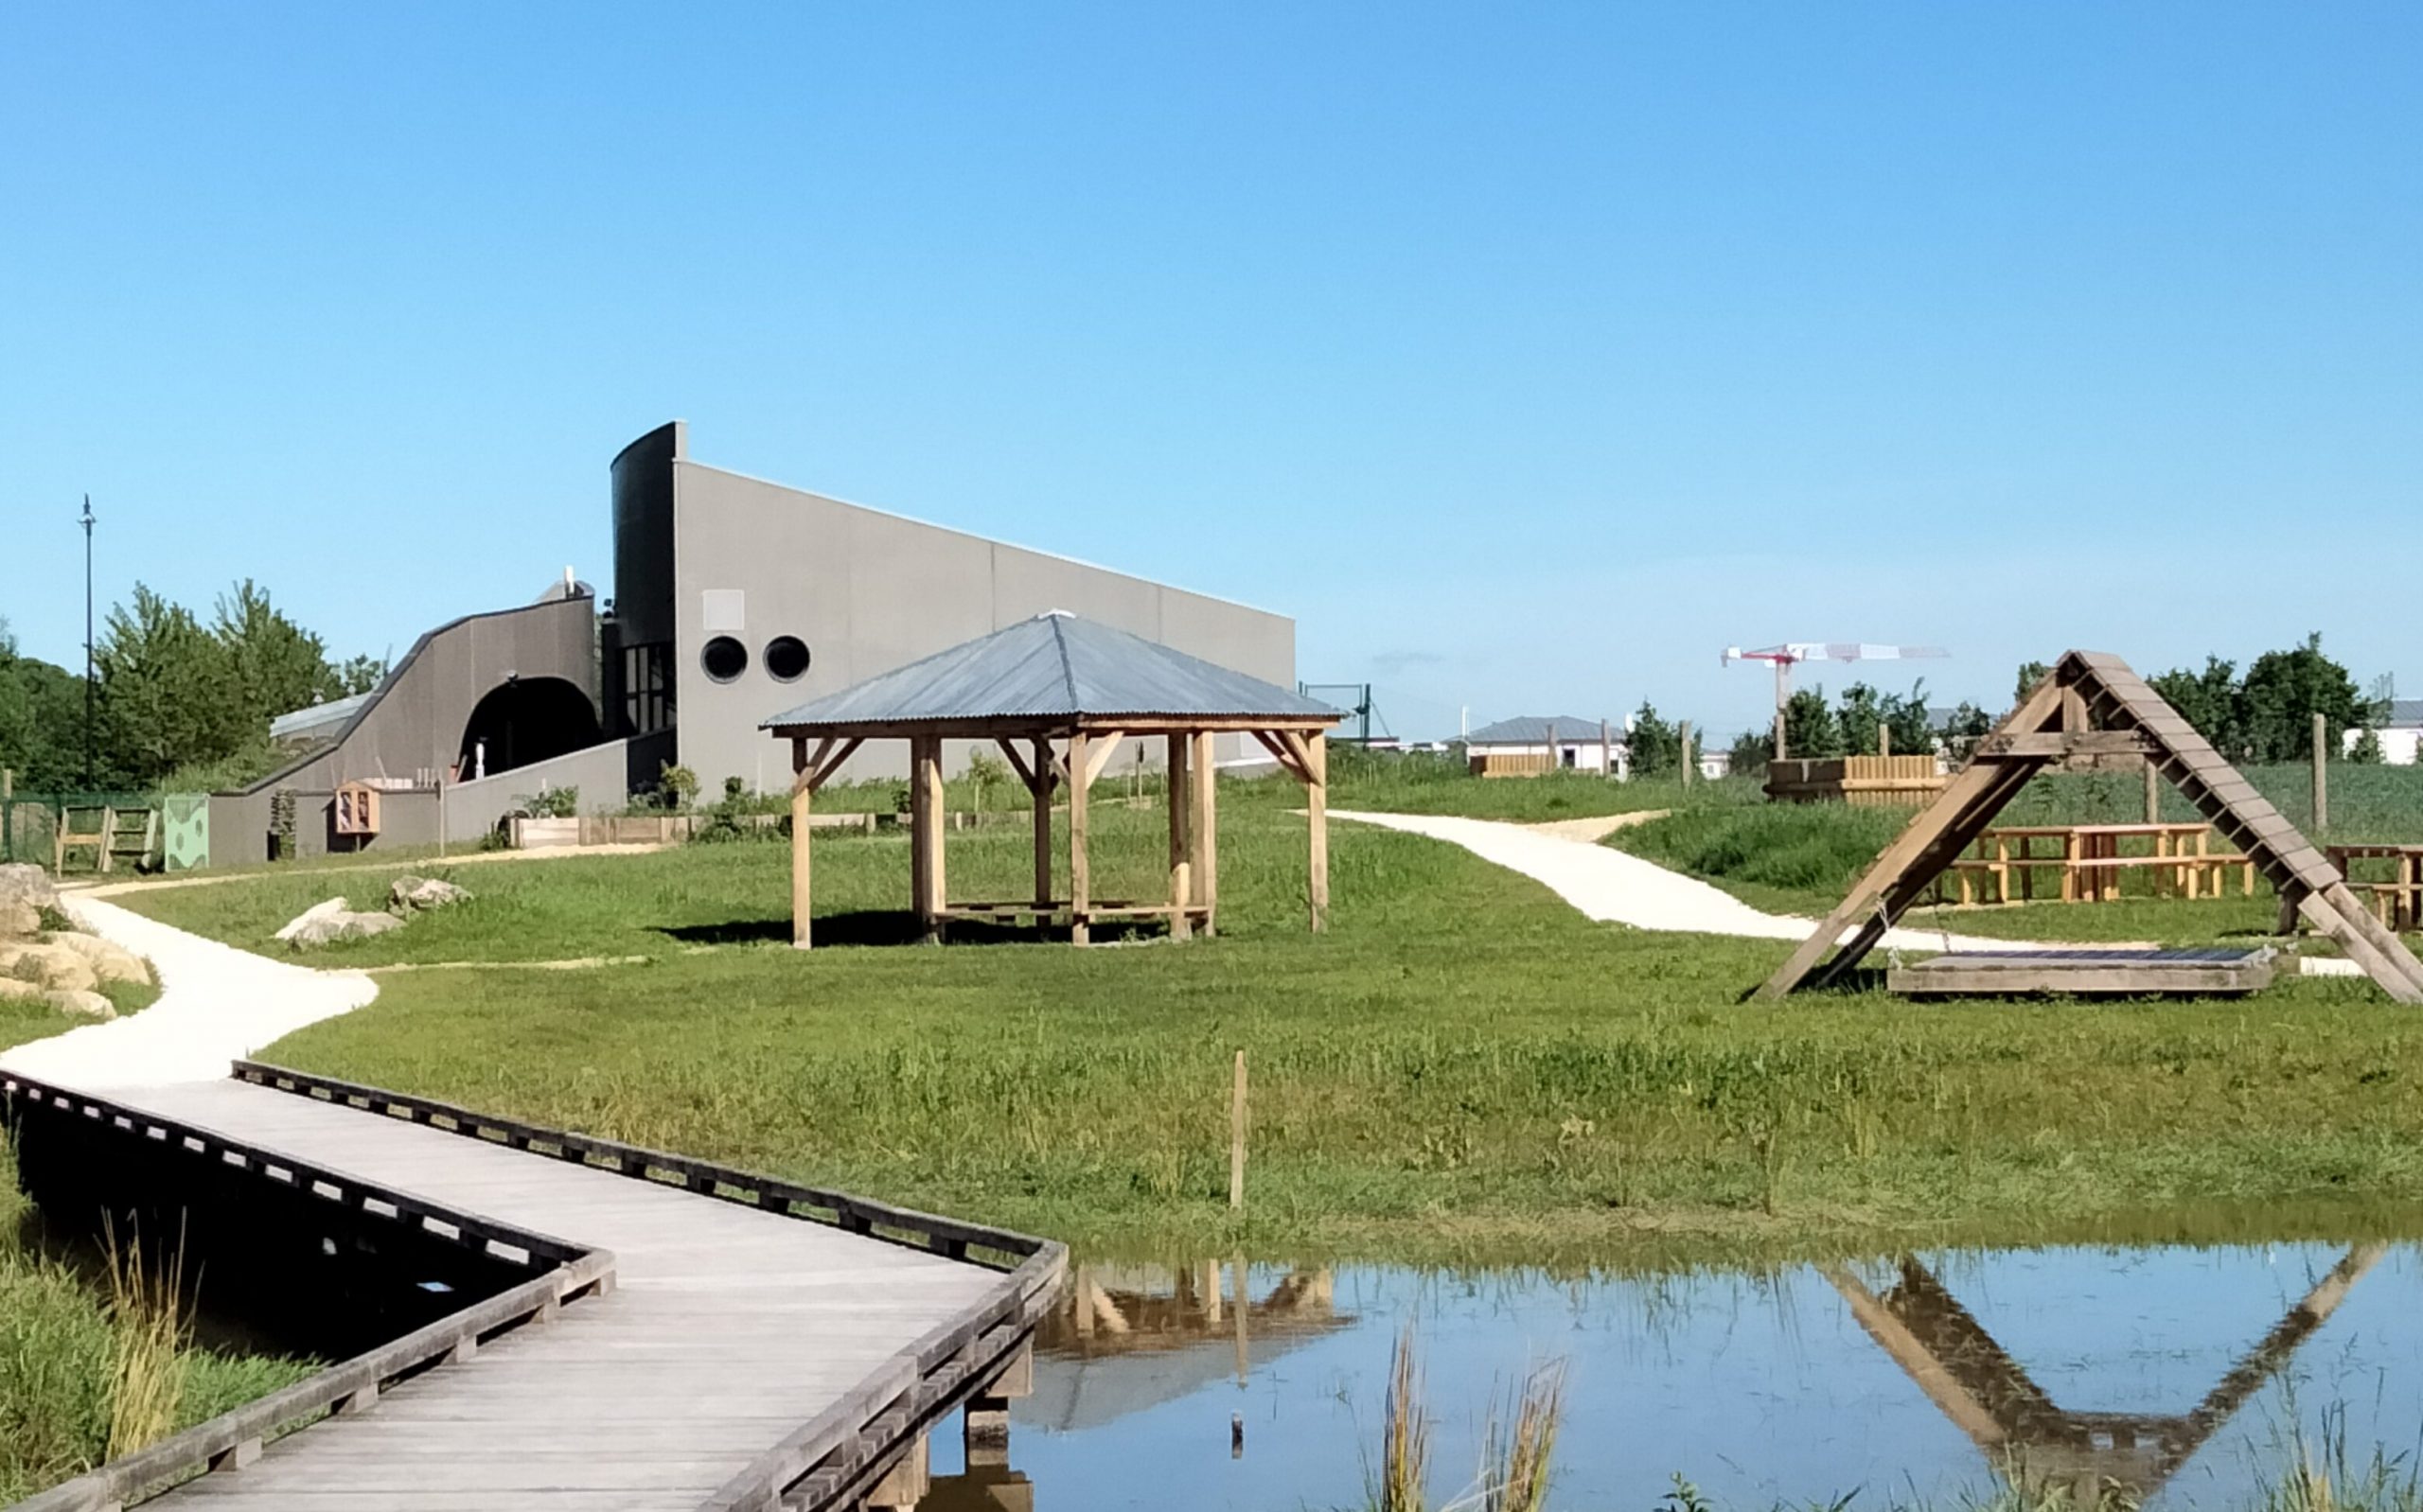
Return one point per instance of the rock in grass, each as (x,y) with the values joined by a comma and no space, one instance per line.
(328,928)
(83,1004)
(48,965)
(410,894)
(304,920)
(24,892)
(111,963)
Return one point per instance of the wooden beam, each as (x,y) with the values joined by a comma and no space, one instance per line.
(2064,743)
(1279,753)
(1018,762)
(1203,832)
(1316,807)
(1182,801)
(1953,806)
(1041,787)
(1081,873)
(1929,1374)
(926,882)
(801,789)
(828,765)
(1102,747)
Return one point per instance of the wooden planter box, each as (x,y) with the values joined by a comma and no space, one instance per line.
(538,835)
(1878,782)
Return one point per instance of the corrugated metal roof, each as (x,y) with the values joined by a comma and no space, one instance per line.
(319,716)
(1532,729)
(2404,714)
(1054,665)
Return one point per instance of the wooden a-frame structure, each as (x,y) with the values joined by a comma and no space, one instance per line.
(2092,704)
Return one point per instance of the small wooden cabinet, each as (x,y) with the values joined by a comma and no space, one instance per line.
(356,809)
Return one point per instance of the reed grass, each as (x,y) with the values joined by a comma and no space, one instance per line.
(1520,1445)
(1403,1480)
(147,1345)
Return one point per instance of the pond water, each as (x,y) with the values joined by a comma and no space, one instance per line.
(2185,1375)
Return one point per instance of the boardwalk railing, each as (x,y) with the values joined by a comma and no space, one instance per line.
(565,1273)
(847,1448)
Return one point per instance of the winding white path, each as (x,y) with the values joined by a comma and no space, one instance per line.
(1608,885)
(216,1004)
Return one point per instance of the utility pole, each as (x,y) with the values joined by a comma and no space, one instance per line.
(87,523)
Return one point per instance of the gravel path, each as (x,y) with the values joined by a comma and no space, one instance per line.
(217,1003)
(1609,885)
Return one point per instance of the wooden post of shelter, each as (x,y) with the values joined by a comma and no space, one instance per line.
(1179,761)
(1316,807)
(1081,871)
(928,885)
(1041,781)
(1202,832)
(802,776)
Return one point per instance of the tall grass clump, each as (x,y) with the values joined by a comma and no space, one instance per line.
(1404,1435)
(147,1335)
(1522,1443)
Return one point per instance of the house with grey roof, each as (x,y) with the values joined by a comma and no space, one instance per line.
(1539,743)
(2401,733)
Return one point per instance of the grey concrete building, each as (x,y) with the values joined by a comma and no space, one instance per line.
(733,599)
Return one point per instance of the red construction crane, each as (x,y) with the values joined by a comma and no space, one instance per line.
(1791,653)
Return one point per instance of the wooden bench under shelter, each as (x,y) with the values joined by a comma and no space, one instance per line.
(2092,704)
(1058,694)
(2091,859)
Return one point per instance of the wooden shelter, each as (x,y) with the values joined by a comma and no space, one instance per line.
(1058,694)
(2092,704)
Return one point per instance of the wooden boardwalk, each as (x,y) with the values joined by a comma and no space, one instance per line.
(718,1350)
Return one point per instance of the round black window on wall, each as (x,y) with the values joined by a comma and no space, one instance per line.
(786,658)
(724,659)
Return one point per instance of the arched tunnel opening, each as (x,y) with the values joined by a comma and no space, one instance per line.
(526,720)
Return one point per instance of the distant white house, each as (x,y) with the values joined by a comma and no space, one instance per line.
(1536,743)
(2401,733)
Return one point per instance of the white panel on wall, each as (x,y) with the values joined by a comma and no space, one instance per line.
(723,611)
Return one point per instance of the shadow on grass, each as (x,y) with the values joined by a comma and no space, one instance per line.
(887,926)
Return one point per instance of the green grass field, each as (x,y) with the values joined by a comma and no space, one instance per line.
(1462,1069)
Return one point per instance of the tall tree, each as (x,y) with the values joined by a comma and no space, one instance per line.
(359,675)
(1656,747)
(2208,701)
(2284,690)
(169,693)
(2030,674)
(278,666)
(1811,729)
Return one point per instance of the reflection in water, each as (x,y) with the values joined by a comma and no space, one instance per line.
(2156,1373)
(2040,1445)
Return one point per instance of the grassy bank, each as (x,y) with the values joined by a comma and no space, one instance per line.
(60,1339)
(1463,1068)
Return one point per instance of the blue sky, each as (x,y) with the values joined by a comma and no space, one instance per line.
(1526,355)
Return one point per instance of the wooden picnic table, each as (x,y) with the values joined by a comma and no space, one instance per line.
(2398,902)
(2090,860)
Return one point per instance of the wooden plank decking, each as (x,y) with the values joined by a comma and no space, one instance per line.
(2085,973)
(735,1350)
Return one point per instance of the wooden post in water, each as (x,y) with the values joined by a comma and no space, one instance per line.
(2321,774)
(1237,1139)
